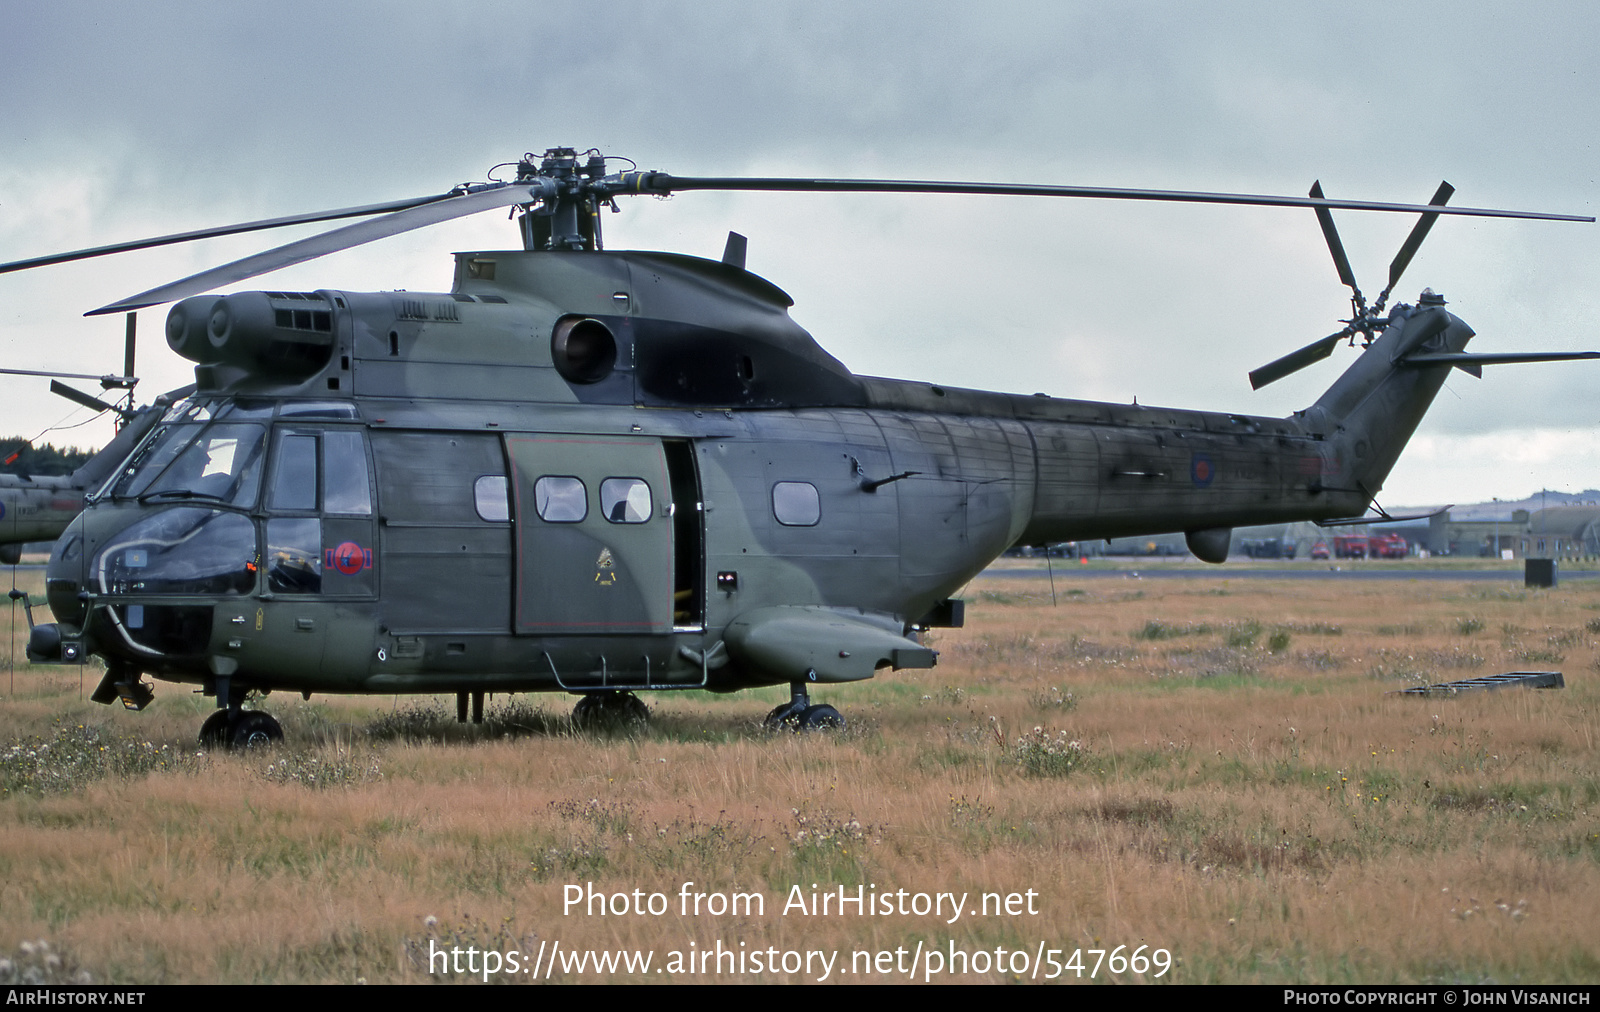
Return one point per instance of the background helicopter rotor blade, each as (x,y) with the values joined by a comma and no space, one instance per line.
(485,198)
(1341,262)
(128,344)
(79,397)
(1419,232)
(663,183)
(106,381)
(221,230)
(127,381)
(1297,360)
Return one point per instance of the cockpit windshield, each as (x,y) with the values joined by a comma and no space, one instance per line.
(197,456)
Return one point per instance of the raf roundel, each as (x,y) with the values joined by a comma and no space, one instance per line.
(350,558)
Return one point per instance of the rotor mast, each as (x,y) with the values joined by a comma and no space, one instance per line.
(567,216)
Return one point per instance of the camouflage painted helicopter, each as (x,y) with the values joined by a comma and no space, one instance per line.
(602,472)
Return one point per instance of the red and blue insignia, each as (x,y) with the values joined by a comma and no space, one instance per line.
(349,558)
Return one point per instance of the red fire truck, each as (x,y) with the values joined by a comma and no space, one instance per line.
(1370,546)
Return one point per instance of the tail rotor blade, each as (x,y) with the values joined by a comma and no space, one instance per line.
(1319,350)
(1296,360)
(1419,232)
(1340,262)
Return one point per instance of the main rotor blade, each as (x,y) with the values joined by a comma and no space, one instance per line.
(491,196)
(1296,360)
(1419,232)
(1512,358)
(209,233)
(665,183)
(1341,262)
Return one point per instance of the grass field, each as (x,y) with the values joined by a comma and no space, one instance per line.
(1207,767)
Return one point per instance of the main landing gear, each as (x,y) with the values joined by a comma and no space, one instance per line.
(234,728)
(610,710)
(800,714)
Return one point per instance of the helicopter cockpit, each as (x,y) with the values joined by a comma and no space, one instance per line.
(183,523)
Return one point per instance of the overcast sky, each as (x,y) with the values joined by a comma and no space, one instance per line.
(124,120)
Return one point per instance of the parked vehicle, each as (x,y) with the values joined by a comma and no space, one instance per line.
(1350,546)
(1387,546)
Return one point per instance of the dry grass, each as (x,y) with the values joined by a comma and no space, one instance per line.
(1231,783)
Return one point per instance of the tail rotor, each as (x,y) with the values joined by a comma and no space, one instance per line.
(1364,320)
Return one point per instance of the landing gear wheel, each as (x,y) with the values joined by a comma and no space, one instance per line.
(602,711)
(214,732)
(821,717)
(785,716)
(254,729)
(799,714)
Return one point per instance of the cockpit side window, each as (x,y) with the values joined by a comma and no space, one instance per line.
(319,536)
(346,488)
(294,484)
(294,555)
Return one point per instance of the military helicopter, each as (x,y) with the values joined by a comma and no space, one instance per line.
(602,472)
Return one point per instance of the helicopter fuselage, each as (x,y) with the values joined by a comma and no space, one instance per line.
(585,471)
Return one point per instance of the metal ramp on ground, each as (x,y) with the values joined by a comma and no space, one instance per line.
(1525,679)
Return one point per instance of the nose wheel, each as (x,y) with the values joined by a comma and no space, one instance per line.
(240,729)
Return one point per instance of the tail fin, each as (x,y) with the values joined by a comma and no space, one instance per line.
(1371,412)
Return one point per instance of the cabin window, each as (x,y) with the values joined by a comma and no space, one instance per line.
(796,504)
(490,499)
(560,499)
(625,500)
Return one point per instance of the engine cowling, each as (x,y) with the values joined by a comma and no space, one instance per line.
(280,334)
